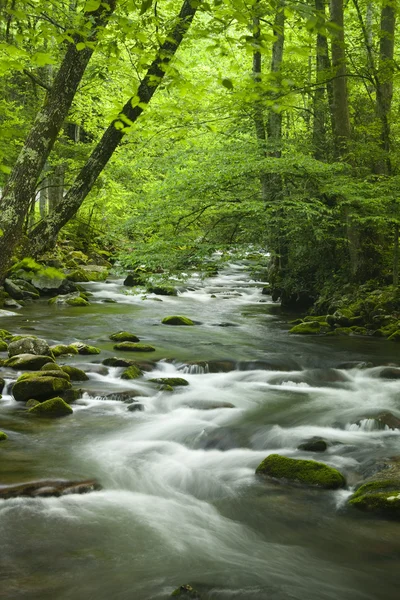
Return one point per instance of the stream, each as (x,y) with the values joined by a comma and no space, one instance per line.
(180,501)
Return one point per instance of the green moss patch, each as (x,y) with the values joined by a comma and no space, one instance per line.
(85,348)
(53,408)
(379,497)
(177,320)
(308,328)
(307,472)
(60,349)
(124,336)
(132,347)
(170,381)
(131,372)
(3,436)
(74,373)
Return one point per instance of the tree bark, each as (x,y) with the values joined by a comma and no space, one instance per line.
(340,107)
(45,233)
(20,188)
(323,67)
(274,124)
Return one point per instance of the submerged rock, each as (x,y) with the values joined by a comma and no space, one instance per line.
(186,591)
(380,497)
(3,436)
(85,348)
(133,347)
(171,381)
(314,445)
(53,408)
(3,346)
(132,372)
(48,487)
(177,320)
(124,336)
(162,290)
(307,472)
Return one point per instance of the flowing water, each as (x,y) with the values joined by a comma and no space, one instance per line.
(180,501)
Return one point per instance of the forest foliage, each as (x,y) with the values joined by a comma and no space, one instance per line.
(268,123)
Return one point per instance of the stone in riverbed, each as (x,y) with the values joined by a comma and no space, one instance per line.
(186,591)
(40,386)
(177,320)
(74,373)
(29,345)
(314,445)
(124,336)
(172,381)
(379,497)
(308,328)
(3,346)
(85,348)
(53,408)
(45,488)
(307,472)
(3,436)
(131,372)
(5,335)
(133,347)
(2,384)
(162,290)
(60,349)
(27,362)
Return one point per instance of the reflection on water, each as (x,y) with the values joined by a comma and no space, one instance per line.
(180,501)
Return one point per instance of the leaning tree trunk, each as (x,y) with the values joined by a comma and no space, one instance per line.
(45,233)
(20,188)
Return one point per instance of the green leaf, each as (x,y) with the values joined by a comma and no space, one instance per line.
(227,83)
(146,4)
(92,5)
(80,46)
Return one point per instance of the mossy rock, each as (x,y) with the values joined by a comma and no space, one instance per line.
(29,344)
(53,408)
(131,372)
(78,275)
(357,330)
(31,403)
(85,348)
(296,321)
(378,497)
(95,272)
(310,319)
(2,384)
(74,373)
(307,472)
(26,264)
(3,346)
(79,301)
(132,347)
(46,373)
(395,337)
(186,591)
(124,336)
(177,320)
(3,436)
(27,362)
(308,328)
(170,381)
(60,349)
(51,366)
(162,290)
(340,331)
(114,361)
(167,388)
(39,385)
(5,335)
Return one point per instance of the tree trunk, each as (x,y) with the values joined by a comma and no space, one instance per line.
(323,69)
(340,96)
(384,92)
(20,188)
(274,124)
(45,234)
(258,105)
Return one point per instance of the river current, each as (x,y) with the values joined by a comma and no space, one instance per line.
(180,501)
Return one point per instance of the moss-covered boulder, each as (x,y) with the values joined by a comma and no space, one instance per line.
(3,436)
(73,299)
(3,346)
(161,290)
(307,472)
(95,272)
(177,320)
(131,372)
(78,275)
(53,408)
(40,386)
(51,366)
(308,328)
(85,348)
(5,335)
(133,347)
(124,336)
(378,497)
(74,373)
(27,362)
(186,591)
(170,381)
(2,384)
(29,345)
(60,349)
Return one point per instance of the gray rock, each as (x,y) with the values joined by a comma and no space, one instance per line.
(29,345)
